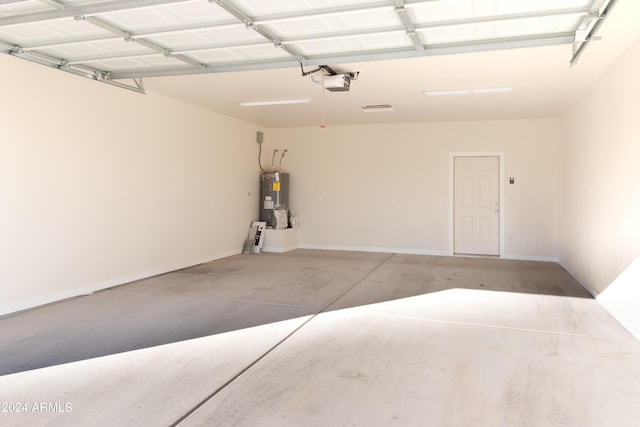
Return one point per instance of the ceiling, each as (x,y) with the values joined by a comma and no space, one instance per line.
(217,53)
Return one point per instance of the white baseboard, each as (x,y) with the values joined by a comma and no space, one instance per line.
(532,258)
(30,303)
(414,252)
(372,249)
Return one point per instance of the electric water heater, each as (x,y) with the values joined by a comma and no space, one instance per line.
(274,194)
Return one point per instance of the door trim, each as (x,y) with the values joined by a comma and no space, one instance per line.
(501,158)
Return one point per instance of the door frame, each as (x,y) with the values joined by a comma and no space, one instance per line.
(501,157)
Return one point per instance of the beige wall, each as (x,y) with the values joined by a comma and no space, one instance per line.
(386,187)
(100,185)
(600,188)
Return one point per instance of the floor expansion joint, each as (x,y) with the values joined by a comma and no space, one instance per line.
(278,344)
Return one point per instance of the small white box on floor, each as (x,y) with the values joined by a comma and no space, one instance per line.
(280,240)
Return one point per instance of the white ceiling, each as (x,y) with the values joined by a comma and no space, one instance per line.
(215,54)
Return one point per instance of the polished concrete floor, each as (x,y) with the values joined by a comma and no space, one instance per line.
(324,338)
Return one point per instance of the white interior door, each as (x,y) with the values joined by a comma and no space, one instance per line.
(476,209)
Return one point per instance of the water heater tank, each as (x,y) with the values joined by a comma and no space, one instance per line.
(274,193)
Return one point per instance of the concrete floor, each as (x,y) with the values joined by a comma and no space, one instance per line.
(323,338)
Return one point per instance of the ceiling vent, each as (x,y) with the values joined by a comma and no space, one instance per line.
(377,108)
